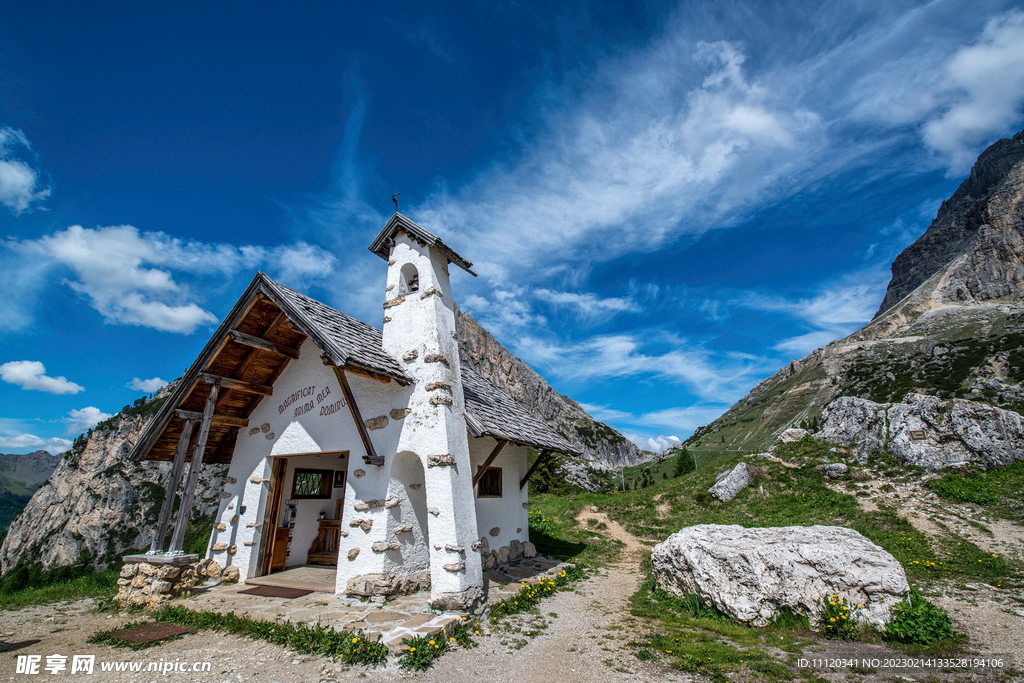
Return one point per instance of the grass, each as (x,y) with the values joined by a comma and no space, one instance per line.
(102,586)
(998,489)
(352,648)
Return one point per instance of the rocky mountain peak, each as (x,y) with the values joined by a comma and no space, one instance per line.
(978,232)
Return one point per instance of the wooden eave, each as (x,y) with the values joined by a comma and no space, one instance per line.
(244,368)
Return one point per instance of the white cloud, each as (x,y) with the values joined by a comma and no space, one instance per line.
(26,441)
(31,374)
(683,419)
(20,183)
(127,275)
(83,419)
(984,88)
(146,385)
(587,306)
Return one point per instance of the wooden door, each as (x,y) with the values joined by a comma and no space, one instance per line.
(269,537)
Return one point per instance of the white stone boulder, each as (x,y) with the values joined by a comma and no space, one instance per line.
(792,434)
(751,574)
(731,483)
(926,430)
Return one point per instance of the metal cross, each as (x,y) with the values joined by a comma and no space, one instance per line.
(394,198)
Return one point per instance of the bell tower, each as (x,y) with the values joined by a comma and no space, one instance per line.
(419,332)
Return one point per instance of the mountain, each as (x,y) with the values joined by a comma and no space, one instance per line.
(603,446)
(951,323)
(98,502)
(20,476)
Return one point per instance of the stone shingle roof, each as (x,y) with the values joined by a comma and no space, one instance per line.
(357,342)
(382,243)
(493,413)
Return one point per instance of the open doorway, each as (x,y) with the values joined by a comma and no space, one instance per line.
(302,523)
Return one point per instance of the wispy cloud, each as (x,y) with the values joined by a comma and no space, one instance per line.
(31,375)
(21,184)
(711,375)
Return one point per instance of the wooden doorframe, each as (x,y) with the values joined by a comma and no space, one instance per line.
(269,526)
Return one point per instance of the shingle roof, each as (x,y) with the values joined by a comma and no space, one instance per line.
(357,342)
(381,245)
(493,413)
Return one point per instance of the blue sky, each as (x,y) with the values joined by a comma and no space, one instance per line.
(665,203)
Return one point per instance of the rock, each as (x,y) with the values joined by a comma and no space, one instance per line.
(515,550)
(954,431)
(139,581)
(485,546)
(399,413)
(412,354)
(168,572)
(129,569)
(353,554)
(529,550)
(147,569)
(495,531)
(407,529)
(359,474)
(503,555)
(455,566)
(386,586)
(160,587)
(444,460)
(392,502)
(434,511)
(220,526)
(833,470)
(751,574)
(210,569)
(384,546)
(728,486)
(230,574)
(219,547)
(488,561)
(792,434)
(379,422)
(593,508)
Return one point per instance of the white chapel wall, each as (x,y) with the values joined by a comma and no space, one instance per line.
(507,514)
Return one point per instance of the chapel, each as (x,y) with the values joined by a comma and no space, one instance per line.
(373,451)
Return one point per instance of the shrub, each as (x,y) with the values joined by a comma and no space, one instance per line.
(683,463)
(916,621)
(838,620)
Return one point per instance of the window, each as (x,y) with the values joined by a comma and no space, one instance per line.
(312,483)
(490,484)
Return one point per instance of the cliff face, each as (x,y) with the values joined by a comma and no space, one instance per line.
(977,231)
(951,324)
(97,500)
(602,446)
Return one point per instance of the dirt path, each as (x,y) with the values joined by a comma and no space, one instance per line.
(582,637)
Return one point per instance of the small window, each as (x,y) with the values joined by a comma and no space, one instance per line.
(490,484)
(312,483)
(410,279)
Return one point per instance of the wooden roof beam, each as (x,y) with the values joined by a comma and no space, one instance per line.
(487,463)
(263,344)
(224,420)
(238,384)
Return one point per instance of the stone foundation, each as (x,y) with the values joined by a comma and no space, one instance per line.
(150,580)
(384,587)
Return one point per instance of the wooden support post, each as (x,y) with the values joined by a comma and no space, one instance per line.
(273,507)
(487,463)
(371,457)
(172,488)
(193,472)
(540,458)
